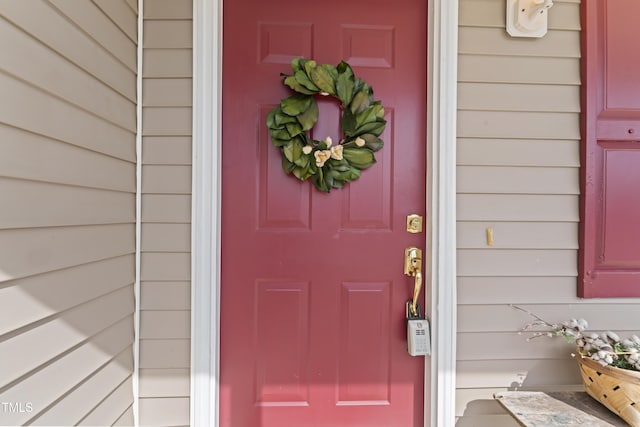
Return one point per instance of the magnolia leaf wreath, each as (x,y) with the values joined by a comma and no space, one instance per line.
(328,165)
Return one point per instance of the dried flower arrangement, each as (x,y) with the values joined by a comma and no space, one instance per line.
(605,348)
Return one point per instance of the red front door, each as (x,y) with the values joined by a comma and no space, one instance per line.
(313,290)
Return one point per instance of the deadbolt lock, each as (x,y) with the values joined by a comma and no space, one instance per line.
(414,223)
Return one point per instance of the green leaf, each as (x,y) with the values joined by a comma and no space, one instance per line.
(295,104)
(302,173)
(323,79)
(279,142)
(380,110)
(308,66)
(338,165)
(372,142)
(367,116)
(319,182)
(294,129)
(305,81)
(303,161)
(345,86)
(348,122)
(331,70)
(297,64)
(375,128)
(287,166)
(271,117)
(279,134)
(282,119)
(309,117)
(296,86)
(361,158)
(293,150)
(360,102)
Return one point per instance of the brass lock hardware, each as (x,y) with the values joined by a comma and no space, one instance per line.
(413,268)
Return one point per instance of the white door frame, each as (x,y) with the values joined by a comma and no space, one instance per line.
(440,368)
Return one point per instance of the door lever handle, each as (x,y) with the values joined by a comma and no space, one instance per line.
(413,268)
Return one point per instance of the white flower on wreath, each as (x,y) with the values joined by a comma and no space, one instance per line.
(328,141)
(360,142)
(322,157)
(307,149)
(336,152)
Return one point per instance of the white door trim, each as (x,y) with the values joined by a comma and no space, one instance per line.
(442,77)
(205,246)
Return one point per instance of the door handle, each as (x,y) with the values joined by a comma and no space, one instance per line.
(413,268)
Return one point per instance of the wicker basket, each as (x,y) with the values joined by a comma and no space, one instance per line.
(617,389)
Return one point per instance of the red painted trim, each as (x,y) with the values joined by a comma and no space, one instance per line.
(587,125)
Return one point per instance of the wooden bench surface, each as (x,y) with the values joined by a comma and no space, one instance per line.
(557,409)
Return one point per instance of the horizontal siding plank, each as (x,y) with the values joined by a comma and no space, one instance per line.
(165,266)
(163,63)
(525,290)
(518,235)
(166,150)
(519,290)
(87,16)
(164,354)
(162,121)
(491,13)
(496,41)
(166,237)
(166,208)
(120,12)
(164,383)
(164,411)
(518,69)
(29,156)
(518,97)
(518,152)
(168,9)
(112,407)
(42,67)
(504,318)
(509,346)
(165,296)
(504,262)
(36,204)
(515,373)
(166,92)
(31,299)
(165,324)
(518,180)
(41,113)
(166,179)
(26,252)
(43,22)
(517,124)
(167,34)
(72,407)
(516,207)
(35,347)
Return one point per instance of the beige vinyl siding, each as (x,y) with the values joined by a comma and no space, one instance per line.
(518,174)
(166,214)
(67,223)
